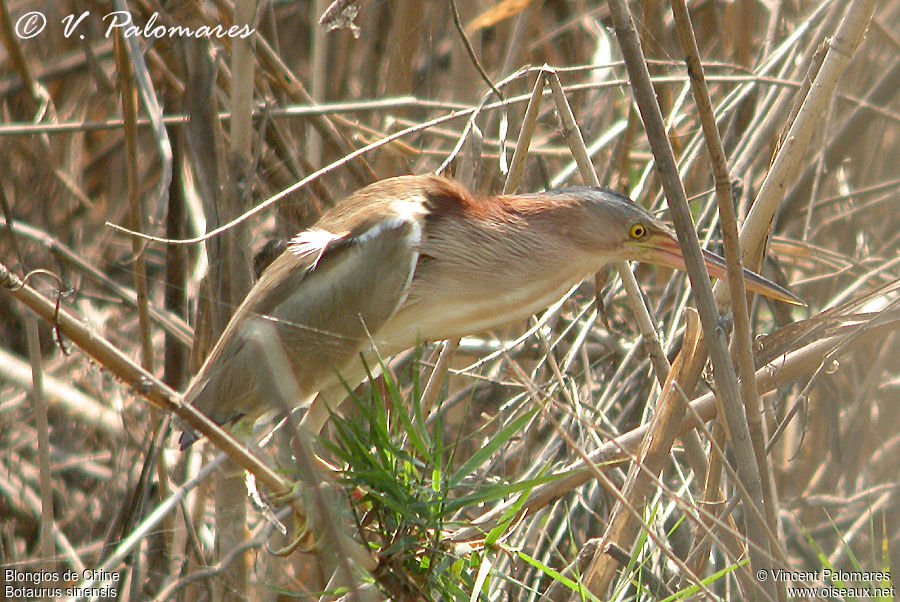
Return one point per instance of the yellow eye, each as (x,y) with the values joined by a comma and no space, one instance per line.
(637,231)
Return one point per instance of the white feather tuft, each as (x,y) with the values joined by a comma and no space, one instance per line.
(310,242)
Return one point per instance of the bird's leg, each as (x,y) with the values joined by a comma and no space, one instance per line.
(319,411)
(331,396)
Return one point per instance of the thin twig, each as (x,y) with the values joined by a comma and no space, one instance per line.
(471,51)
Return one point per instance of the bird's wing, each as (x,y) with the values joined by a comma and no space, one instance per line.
(323,297)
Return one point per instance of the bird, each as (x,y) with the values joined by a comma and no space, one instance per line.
(413,259)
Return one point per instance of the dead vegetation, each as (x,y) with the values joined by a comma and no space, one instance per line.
(810,127)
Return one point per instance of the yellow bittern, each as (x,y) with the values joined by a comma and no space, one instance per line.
(412,259)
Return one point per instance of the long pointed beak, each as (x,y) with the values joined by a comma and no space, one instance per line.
(666,251)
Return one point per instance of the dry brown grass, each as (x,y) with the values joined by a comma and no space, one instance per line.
(67,171)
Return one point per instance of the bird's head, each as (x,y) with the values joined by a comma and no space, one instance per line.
(611,227)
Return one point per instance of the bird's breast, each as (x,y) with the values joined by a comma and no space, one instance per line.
(477,274)
(452,306)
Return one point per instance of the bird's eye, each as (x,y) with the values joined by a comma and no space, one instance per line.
(637,231)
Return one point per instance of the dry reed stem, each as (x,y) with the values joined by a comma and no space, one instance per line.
(726,379)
